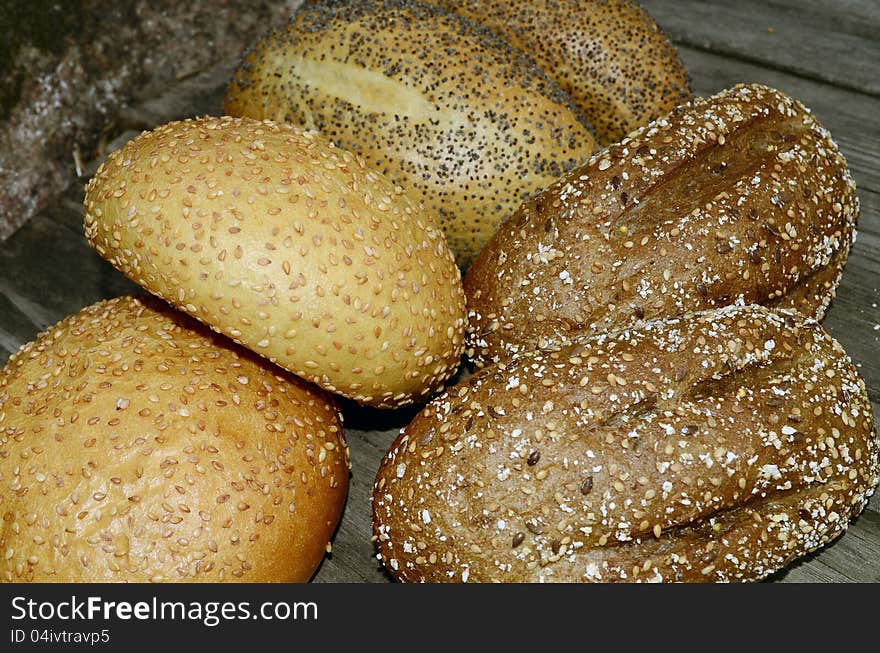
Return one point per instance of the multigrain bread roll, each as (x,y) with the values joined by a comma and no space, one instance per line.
(435,102)
(738,198)
(609,55)
(137,446)
(290,246)
(719,446)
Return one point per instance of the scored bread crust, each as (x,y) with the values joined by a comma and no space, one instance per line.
(719,446)
(610,56)
(742,197)
(290,246)
(437,103)
(138,446)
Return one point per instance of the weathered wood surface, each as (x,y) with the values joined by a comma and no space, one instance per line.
(823,52)
(831,41)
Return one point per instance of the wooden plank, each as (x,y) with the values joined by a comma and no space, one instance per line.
(354,558)
(369,433)
(826,41)
(855,310)
(48,271)
(16,328)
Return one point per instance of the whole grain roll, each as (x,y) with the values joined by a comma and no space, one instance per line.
(742,197)
(610,56)
(292,247)
(719,446)
(438,104)
(137,446)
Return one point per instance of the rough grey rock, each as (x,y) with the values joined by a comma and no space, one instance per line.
(75,75)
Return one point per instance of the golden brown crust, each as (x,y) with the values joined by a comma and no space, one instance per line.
(137,446)
(428,98)
(715,447)
(291,247)
(813,293)
(609,55)
(738,198)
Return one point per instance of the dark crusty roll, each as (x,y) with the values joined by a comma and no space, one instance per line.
(719,446)
(609,55)
(138,446)
(738,198)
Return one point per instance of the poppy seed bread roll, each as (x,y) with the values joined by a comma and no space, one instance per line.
(742,197)
(138,446)
(719,446)
(438,104)
(610,56)
(290,246)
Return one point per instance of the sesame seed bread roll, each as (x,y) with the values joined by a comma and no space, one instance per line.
(440,105)
(719,446)
(610,56)
(290,246)
(138,446)
(741,197)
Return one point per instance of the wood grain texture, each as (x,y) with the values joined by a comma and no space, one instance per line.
(810,39)
(823,52)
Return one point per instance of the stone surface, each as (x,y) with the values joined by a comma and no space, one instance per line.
(69,71)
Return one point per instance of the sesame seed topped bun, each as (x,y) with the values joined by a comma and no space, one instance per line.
(138,446)
(291,247)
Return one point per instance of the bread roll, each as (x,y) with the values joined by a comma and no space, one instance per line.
(608,55)
(719,446)
(290,246)
(738,198)
(137,446)
(438,104)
